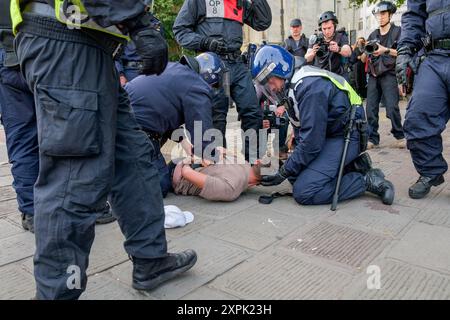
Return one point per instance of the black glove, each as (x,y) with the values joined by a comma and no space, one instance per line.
(214,45)
(404,59)
(275,179)
(153,50)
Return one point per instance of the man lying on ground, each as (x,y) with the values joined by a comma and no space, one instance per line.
(224,181)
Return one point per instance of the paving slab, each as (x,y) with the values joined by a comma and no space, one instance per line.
(8,229)
(437,212)
(254,228)
(371,215)
(424,245)
(338,244)
(215,257)
(200,223)
(207,293)
(221,210)
(279,275)
(16,283)
(400,281)
(101,287)
(16,247)
(8,207)
(107,250)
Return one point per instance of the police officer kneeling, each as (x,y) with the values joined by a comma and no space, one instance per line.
(320,104)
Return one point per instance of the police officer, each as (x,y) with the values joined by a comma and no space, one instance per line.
(216,26)
(297,43)
(129,63)
(320,109)
(89,143)
(335,46)
(19,121)
(180,95)
(382,81)
(425,25)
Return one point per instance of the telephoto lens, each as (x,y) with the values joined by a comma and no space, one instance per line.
(371,47)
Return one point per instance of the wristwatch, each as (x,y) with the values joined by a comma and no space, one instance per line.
(388,51)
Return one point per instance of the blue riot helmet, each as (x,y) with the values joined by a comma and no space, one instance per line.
(208,65)
(271,61)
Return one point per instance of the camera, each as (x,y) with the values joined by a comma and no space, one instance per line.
(323,45)
(371,47)
(275,122)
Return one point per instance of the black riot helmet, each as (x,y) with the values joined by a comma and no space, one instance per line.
(327,16)
(384,6)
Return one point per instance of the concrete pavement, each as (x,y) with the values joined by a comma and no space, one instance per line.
(364,250)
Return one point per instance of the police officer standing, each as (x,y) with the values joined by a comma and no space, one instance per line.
(216,26)
(381,52)
(425,25)
(19,121)
(297,43)
(89,143)
(181,95)
(320,108)
(331,46)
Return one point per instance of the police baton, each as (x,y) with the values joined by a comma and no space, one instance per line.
(348,134)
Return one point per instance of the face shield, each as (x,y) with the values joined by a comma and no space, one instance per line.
(262,87)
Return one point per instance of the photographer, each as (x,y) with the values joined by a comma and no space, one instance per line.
(381,52)
(329,47)
(358,74)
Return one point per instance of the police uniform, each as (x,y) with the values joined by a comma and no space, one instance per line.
(90,144)
(224,20)
(129,63)
(18,117)
(320,113)
(428,110)
(163,103)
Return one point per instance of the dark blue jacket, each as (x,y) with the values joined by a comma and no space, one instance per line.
(178,96)
(111,12)
(196,21)
(322,110)
(421,18)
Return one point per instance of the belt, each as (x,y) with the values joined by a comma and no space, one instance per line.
(152,135)
(40,20)
(443,44)
(133,64)
(233,56)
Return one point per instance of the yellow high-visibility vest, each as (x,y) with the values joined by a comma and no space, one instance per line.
(78,17)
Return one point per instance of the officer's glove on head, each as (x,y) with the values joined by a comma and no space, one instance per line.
(405,58)
(213,45)
(150,44)
(275,179)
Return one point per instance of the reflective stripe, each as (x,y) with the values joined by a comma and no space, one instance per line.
(225,9)
(338,81)
(78,17)
(16,17)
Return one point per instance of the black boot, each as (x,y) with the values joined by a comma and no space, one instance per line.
(28,222)
(106,216)
(377,184)
(362,164)
(422,187)
(150,273)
